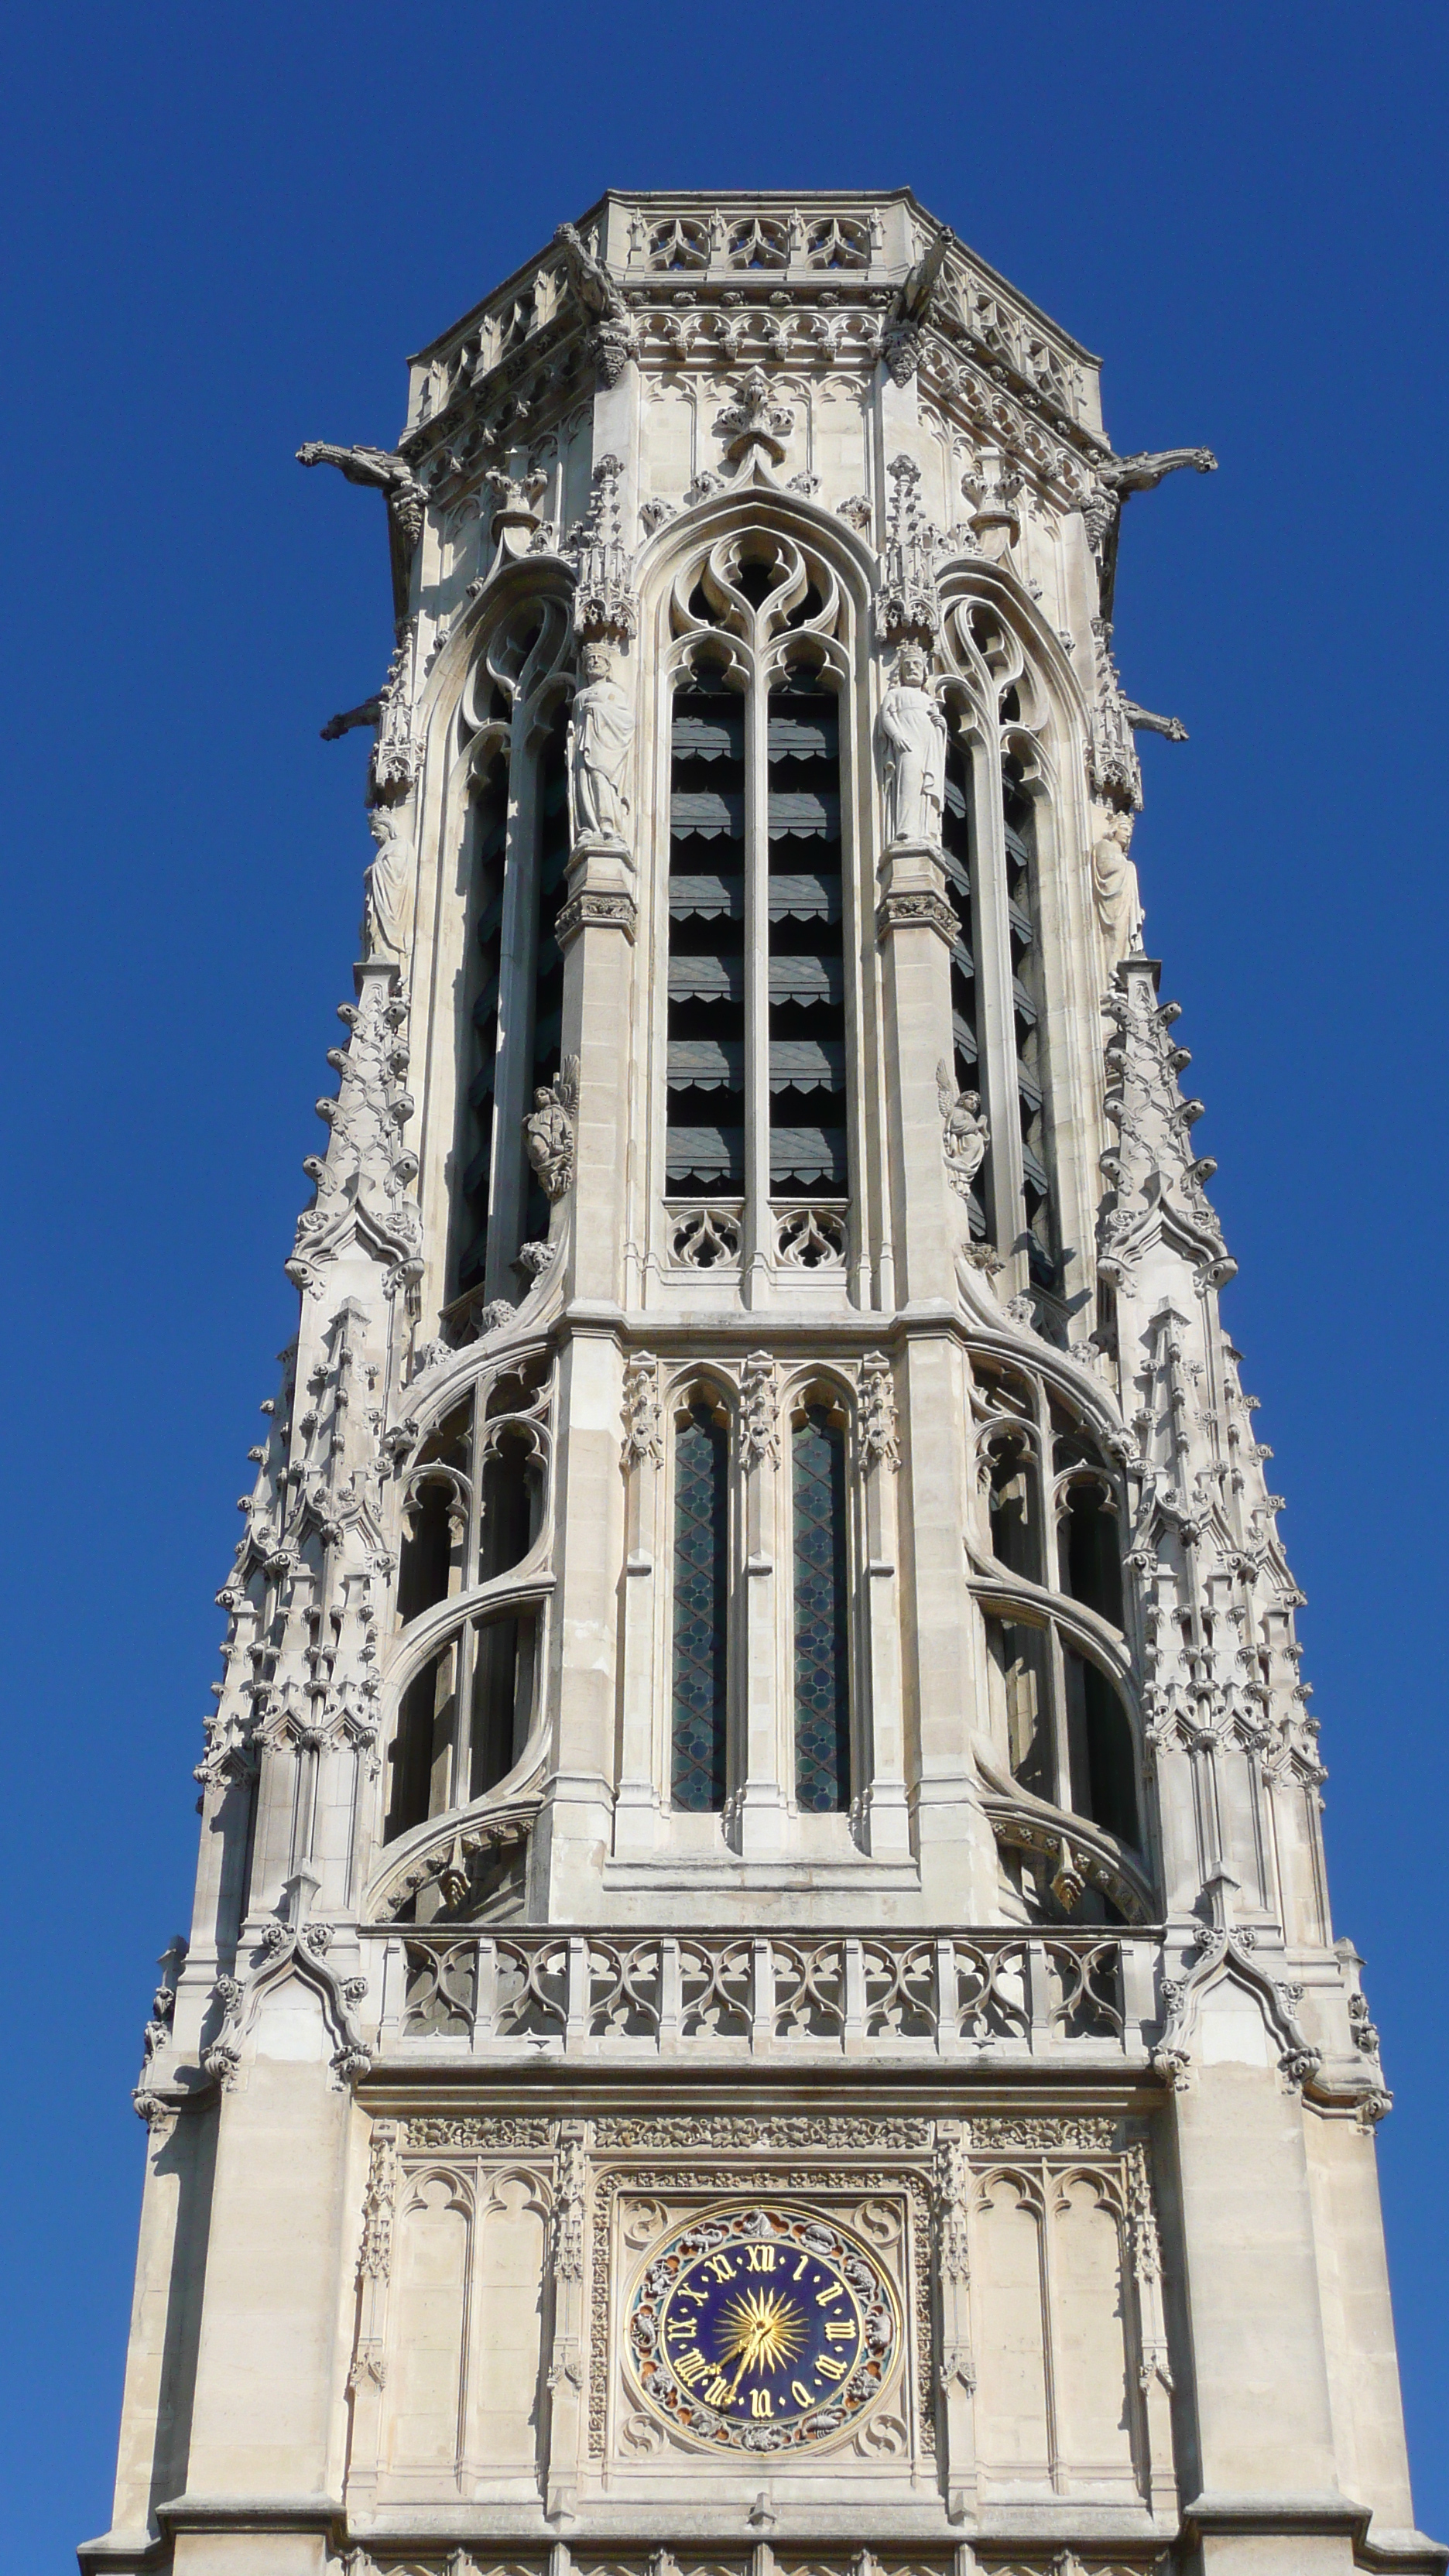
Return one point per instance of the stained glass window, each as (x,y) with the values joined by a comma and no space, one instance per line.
(701,1601)
(822,1689)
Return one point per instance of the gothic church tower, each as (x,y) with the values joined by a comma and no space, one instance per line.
(762,1999)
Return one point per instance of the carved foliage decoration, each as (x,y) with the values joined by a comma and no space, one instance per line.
(290,1946)
(363,1180)
(878,1440)
(642,1440)
(1156,1177)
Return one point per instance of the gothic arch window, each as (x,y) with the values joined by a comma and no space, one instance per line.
(820,1603)
(758,1079)
(474,1527)
(1053,1596)
(514,718)
(957,851)
(700,1611)
(1028,1012)
(482,984)
(1001,991)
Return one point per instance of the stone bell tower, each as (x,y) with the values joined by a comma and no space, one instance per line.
(762,1999)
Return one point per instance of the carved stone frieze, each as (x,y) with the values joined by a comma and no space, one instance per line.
(498,2132)
(788,2132)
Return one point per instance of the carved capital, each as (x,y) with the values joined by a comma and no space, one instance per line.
(915,912)
(596,912)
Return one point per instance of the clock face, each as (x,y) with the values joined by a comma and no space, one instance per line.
(762,2326)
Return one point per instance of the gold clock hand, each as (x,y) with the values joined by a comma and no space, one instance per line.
(751,2354)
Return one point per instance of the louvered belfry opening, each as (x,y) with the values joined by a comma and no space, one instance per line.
(959,855)
(806,958)
(705,1117)
(481,1029)
(1028,1002)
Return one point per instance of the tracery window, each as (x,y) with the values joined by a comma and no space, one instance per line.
(1054,1515)
(757,1078)
(965,1027)
(473,1512)
(995,777)
(821,1624)
(481,998)
(699,1668)
(1028,1001)
(514,720)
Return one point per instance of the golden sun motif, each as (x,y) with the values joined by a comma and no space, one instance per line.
(764,2332)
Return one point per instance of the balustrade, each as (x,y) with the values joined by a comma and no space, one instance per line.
(1003,1995)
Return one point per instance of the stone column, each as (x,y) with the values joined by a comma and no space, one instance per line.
(915,927)
(884,1813)
(637,1805)
(576,1818)
(596,931)
(763,1803)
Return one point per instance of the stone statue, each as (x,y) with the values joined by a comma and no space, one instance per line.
(549,1129)
(387,917)
(913,753)
(601,731)
(1114,887)
(965,1133)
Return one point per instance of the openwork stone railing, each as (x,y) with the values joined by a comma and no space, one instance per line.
(925,1995)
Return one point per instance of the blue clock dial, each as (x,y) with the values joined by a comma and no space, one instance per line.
(762,2326)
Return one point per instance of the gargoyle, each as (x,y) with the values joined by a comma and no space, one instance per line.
(380,469)
(369,713)
(612,338)
(590,280)
(901,344)
(1118,477)
(1142,720)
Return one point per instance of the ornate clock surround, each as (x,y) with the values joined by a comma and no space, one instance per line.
(763,2324)
(884,2208)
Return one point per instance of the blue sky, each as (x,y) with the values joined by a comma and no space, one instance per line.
(227,227)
